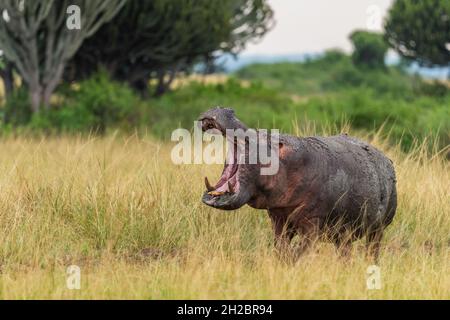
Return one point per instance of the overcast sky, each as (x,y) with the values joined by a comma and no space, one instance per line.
(308,26)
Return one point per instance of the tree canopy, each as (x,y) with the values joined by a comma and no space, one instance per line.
(158,38)
(369,49)
(419,30)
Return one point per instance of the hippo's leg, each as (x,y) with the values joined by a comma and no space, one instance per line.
(308,229)
(373,243)
(343,235)
(282,227)
(343,246)
(289,222)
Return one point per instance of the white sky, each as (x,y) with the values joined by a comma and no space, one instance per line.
(308,26)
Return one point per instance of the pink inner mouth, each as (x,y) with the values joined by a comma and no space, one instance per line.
(229,181)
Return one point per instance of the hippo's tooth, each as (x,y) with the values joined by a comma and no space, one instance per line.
(208,185)
(230,187)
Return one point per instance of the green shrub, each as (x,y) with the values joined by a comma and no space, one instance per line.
(263,107)
(257,105)
(330,73)
(435,89)
(365,109)
(95,104)
(17,109)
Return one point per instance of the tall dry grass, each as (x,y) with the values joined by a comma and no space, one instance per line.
(134,223)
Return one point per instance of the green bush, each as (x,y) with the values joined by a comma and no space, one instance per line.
(17,109)
(333,72)
(434,89)
(257,105)
(263,107)
(367,110)
(95,104)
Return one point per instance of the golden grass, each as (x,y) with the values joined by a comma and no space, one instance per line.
(134,223)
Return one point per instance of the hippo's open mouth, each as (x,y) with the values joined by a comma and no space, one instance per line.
(226,193)
(229,180)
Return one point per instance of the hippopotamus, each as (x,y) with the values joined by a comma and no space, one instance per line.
(336,188)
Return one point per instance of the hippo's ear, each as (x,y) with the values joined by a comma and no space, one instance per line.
(284,150)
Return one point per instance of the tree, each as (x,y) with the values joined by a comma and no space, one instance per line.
(35,36)
(156,39)
(369,49)
(420,30)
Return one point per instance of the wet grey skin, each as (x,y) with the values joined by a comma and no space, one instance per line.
(336,188)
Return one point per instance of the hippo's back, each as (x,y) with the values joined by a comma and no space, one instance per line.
(360,182)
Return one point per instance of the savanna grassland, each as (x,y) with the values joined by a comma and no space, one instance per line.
(113,203)
(118,207)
